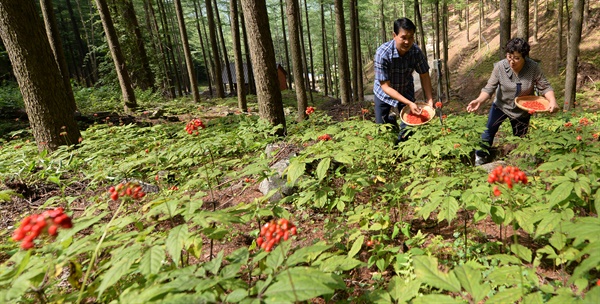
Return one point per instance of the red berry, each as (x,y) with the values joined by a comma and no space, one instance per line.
(52,230)
(369,243)
(114,196)
(18,234)
(286,235)
(293,230)
(259,241)
(27,245)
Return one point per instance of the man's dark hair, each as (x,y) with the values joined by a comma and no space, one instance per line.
(517,45)
(404,23)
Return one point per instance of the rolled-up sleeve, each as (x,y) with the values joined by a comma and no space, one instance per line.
(542,84)
(494,80)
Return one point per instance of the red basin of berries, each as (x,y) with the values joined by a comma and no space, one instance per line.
(532,104)
(273,232)
(417,119)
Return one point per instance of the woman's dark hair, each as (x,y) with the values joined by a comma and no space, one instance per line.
(404,23)
(517,45)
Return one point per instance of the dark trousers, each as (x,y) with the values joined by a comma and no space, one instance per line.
(519,125)
(382,115)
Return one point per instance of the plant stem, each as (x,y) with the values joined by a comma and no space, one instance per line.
(93,259)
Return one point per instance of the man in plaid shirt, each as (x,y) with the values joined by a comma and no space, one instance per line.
(394,64)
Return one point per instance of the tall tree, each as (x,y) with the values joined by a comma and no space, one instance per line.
(215,50)
(237,51)
(445,17)
(204,57)
(170,49)
(292,17)
(382,19)
(40,81)
(467,18)
(344,70)
(324,48)
(168,88)
(505,7)
(523,19)
(419,21)
(559,33)
(251,82)
(535,21)
(146,78)
(82,49)
(310,50)
(573,53)
(186,51)
(117,56)
(224,49)
(353,43)
(359,76)
(262,53)
(57,50)
(285,44)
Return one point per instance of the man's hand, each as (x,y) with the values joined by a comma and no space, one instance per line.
(414,108)
(430,102)
(553,106)
(473,106)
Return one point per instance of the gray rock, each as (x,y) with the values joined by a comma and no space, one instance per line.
(148,188)
(157,113)
(489,167)
(276,182)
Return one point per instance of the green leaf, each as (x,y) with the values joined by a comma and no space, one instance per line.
(152,260)
(401,291)
(295,170)
(533,298)
(175,241)
(558,240)
(426,269)
(236,295)
(561,193)
(115,272)
(592,296)
(470,280)
(277,256)
(322,168)
(522,252)
(298,287)
(339,263)
(548,224)
(356,246)
(5,195)
(307,254)
(509,295)
(597,201)
(436,298)
(448,209)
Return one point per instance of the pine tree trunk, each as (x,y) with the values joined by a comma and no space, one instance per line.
(324,48)
(535,21)
(215,50)
(169,49)
(353,42)
(186,51)
(344,70)
(292,7)
(168,88)
(117,56)
(206,62)
(270,104)
(382,18)
(251,82)
(419,21)
(81,47)
(505,25)
(303,50)
(445,17)
(361,90)
(436,28)
(146,79)
(285,44)
(237,51)
(40,81)
(310,50)
(559,34)
(573,53)
(467,18)
(523,19)
(57,50)
(336,79)
(224,53)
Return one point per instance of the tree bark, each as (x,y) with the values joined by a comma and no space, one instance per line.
(310,50)
(57,49)
(382,18)
(40,81)
(535,21)
(206,62)
(251,82)
(353,54)
(262,53)
(215,50)
(419,21)
(146,79)
(559,34)
(324,47)
(573,53)
(505,7)
(224,52)
(361,91)
(344,70)
(523,19)
(237,51)
(292,7)
(117,56)
(285,45)
(467,19)
(168,89)
(186,51)
(81,48)
(169,49)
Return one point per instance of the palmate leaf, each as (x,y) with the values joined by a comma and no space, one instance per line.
(548,224)
(470,280)
(509,295)
(522,252)
(426,269)
(401,291)
(300,284)
(175,241)
(152,260)
(448,209)
(560,193)
(323,167)
(116,271)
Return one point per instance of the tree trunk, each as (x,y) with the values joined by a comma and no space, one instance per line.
(215,50)
(335,79)
(57,50)
(353,54)
(505,7)
(168,87)
(206,62)
(81,47)
(285,44)
(573,53)
(324,47)
(436,28)
(559,34)
(359,76)
(420,28)
(146,79)
(270,104)
(382,18)
(224,53)
(292,7)
(51,119)
(535,21)
(237,52)
(251,82)
(467,19)
(446,47)
(523,19)
(480,23)
(186,51)
(344,70)
(310,50)
(117,56)
(169,49)
(303,49)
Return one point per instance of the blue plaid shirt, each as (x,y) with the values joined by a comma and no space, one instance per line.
(390,66)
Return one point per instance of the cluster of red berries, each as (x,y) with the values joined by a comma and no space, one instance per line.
(364,111)
(509,175)
(272,232)
(36,224)
(193,126)
(584,121)
(438,104)
(568,124)
(324,137)
(310,110)
(133,190)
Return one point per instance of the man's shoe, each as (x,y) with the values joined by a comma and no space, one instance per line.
(479,160)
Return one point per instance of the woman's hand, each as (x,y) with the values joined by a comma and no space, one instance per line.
(553,106)
(473,105)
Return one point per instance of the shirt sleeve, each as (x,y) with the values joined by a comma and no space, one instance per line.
(542,84)
(494,80)
(381,66)
(421,65)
